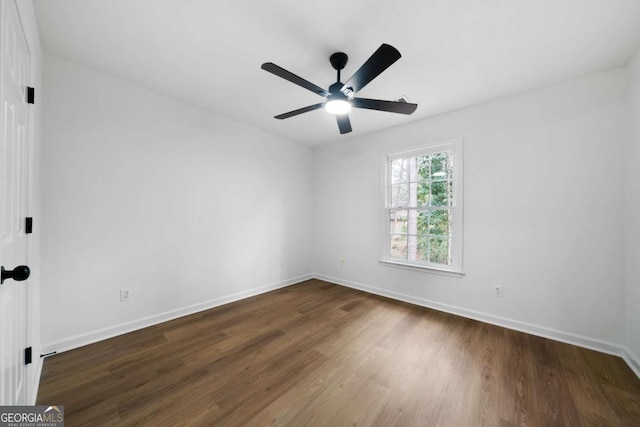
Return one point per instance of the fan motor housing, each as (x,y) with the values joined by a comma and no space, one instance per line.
(334,89)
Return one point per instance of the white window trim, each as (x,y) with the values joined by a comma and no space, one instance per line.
(456,269)
(408,265)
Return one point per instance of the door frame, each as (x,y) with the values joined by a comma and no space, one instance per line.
(30,372)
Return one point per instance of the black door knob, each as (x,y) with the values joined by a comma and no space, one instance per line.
(18,274)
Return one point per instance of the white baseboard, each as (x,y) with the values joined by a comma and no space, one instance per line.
(556,335)
(123,328)
(594,344)
(632,360)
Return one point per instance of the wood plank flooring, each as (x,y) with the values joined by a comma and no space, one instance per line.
(321,354)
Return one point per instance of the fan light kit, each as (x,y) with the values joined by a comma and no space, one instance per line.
(337,106)
(340,96)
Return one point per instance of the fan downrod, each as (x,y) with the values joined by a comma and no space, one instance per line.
(338,61)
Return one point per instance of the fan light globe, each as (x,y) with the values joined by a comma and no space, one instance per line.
(337,106)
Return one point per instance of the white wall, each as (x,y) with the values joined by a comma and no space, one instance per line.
(184,208)
(27,16)
(632,211)
(188,210)
(542,212)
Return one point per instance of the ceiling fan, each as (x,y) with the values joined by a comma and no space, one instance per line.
(340,96)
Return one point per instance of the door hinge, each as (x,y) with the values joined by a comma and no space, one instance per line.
(27,355)
(28,225)
(31,95)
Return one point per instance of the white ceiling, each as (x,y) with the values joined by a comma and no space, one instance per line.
(455,53)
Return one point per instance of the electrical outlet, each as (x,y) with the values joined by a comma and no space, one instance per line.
(125,295)
(499,291)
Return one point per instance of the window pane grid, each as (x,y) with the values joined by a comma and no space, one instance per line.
(421,181)
(427,248)
(420,208)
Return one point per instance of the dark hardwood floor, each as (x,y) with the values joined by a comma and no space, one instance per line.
(321,354)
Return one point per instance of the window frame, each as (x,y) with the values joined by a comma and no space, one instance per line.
(455,146)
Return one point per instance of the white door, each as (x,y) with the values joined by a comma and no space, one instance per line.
(14,138)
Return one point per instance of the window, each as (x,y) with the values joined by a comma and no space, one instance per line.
(424,207)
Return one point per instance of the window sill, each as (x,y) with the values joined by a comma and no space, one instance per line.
(422,268)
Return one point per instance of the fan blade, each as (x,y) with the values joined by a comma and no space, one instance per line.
(288,75)
(376,64)
(379,104)
(299,111)
(344,124)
